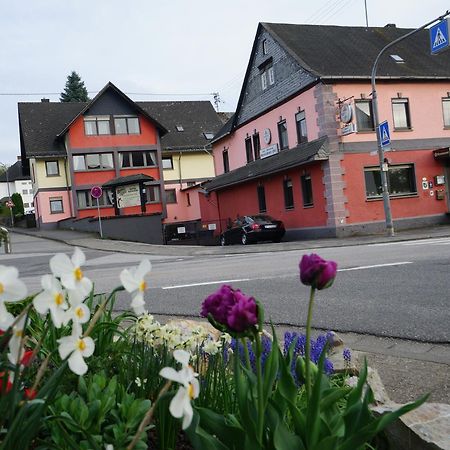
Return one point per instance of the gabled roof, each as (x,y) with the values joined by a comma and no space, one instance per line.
(349,52)
(40,123)
(225,130)
(110,86)
(129,179)
(14,173)
(195,118)
(302,154)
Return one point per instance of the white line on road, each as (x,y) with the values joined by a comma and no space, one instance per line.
(375,266)
(204,283)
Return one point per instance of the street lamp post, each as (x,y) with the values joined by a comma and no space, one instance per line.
(9,193)
(383,172)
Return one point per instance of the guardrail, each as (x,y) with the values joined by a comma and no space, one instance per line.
(5,239)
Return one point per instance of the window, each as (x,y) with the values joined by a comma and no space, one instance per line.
(256,146)
(24,191)
(271,75)
(171,196)
(261,198)
(208,135)
(85,199)
(249,150)
(302,134)
(307,192)
(226,163)
(126,125)
(56,205)
(401,181)
(96,125)
(52,168)
(267,77)
(288,194)
(93,161)
(167,162)
(152,193)
(264,80)
(282,134)
(26,205)
(179,128)
(446,111)
(400,112)
(188,199)
(264,47)
(364,115)
(138,159)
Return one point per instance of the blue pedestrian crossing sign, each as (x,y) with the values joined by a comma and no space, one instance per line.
(439,40)
(385,137)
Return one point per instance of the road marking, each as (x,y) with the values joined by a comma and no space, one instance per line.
(206,283)
(375,266)
(429,241)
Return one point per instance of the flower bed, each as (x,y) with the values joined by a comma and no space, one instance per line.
(74,375)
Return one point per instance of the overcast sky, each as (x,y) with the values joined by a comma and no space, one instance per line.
(175,48)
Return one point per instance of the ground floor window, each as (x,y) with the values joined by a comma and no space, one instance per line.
(261,198)
(152,194)
(171,196)
(307,191)
(401,181)
(85,199)
(288,194)
(56,205)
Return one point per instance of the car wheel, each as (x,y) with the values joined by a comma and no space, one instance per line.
(244,239)
(223,241)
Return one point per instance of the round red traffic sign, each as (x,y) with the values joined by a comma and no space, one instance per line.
(10,204)
(96,191)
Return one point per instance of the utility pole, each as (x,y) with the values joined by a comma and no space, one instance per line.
(384,177)
(9,192)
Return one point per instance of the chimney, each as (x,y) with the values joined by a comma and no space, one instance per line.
(19,158)
(390,25)
(45,100)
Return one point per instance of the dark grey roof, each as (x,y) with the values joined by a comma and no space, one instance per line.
(41,123)
(196,118)
(286,159)
(225,130)
(225,116)
(349,52)
(14,173)
(129,179)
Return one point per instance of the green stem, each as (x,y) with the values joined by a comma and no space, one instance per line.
(308,344)
(246,353)
(260,388)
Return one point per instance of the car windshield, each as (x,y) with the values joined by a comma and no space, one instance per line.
(263,218)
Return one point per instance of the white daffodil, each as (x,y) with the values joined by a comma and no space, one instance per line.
(133,280)
(180,406)
(52,299)
(16,349)
(77,314)
(71,275)
(78,348)
(212,347)
(11,288)
(6,318)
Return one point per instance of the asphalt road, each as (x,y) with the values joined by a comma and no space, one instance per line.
(397,289)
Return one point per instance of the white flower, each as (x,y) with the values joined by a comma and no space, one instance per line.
(16,350)
(77,314)
(133,280)
(212,347)
(6,318)
(11,288)
(180,406)
(52,298)
(78,348)
(71,275)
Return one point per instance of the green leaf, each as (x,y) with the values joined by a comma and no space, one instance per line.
(271,369)
(285,440)
(200,438)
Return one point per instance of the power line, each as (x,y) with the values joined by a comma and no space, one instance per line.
(95,92)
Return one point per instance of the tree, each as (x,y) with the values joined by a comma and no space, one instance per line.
(75,90)
(18,210)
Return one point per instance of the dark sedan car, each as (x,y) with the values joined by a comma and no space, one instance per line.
(249,229)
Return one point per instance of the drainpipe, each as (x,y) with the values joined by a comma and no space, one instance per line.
(69,191)
(179,169)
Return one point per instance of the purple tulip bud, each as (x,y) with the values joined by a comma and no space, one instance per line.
(317,272)
(219,303)
(243,314)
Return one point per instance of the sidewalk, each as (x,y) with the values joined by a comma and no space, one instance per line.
(92,241)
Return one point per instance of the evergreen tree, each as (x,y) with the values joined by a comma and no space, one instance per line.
(18,209)
(75,90)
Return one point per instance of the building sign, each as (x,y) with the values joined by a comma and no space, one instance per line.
(268,151)
(442,153)
(128,196)
(346,117)
(348,128)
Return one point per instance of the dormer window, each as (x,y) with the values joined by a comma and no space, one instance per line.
(126,125)
(397,59)
(179,128)
(208,135)
(96,125)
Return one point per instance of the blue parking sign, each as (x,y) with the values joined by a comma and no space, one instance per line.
(385,137)
(439,37)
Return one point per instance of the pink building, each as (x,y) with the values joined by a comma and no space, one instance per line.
(302,145)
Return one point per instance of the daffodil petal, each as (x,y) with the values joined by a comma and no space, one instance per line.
(182,356)
(143,269)
(187,415)
(14,290)
(78,257)
(66,346)
(42,302)
(86,286)
(90,347)
(77,364)
(170,374)
(60,264)
(176,406)
(128,281)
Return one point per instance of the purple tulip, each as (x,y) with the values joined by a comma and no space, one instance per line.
(317,272)
(219,303)
(243,314)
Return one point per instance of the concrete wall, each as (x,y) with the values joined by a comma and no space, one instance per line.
(146,229)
